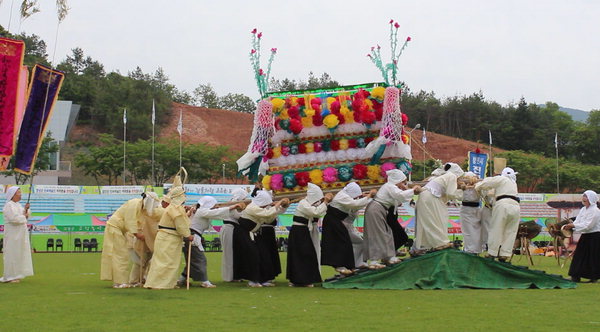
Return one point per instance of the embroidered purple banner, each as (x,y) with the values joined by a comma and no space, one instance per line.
(42,94)
(11,60)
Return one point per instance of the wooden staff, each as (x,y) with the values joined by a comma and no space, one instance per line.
(189,264)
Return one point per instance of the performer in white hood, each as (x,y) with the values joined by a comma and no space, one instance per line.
(383,235)
(505,213)
(470,216)
(431,211)
(17,250)
(226,235)
(303,247)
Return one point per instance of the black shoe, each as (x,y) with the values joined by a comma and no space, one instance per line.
(593,281)
(575,279)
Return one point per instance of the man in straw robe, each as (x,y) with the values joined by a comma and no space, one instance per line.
(303,247)
(226,235)
(115,252)
(382,234)
(336,245)
(174,225)
(431,211)
(141,250)
(17,250)
(505,213)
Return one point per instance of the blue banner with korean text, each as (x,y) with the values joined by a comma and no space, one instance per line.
(478,163)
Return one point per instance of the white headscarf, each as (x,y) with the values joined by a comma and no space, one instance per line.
(454,169)
(510,173)
(238,195)
(262,198)
(151,202)
(591,196)
(10,193)
(207,202)
(313,193)
(470,175)
(353,189)
(395,176)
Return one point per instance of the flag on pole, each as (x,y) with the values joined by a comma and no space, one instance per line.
(490,132)
(153,112)
(424,138)
(124,116)
(180,124)
(556,140)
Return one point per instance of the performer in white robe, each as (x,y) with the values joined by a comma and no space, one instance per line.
(470,217)
(17,250)
(201,222)
(174,225)
(226,235)
(141,250)
(115,252)
(431,211)
(356,238)
(486,216)
(303,256)
(505,213)
(336,245)
(381,221)
(586,258)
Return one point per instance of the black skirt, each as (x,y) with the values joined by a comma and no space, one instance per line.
(586,259)
(400,236)
(270,264)
(246,257)
(336,246)
(302,260)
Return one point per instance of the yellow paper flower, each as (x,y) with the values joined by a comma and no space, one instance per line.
(294,101)
(284,115)
(378,92)
(330,100)
(306,121)
(343,144)
(331,121)
(309,112)
(369,103)
(277,104)
(277,152)
(316,176)
(349,117)
(373,172)
(310,147)
(344,110)
(266,182)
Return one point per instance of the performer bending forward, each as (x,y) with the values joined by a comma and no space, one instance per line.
(246,255)
(505,213)
(336,245)
(383,235)
(303,248)
(431,212)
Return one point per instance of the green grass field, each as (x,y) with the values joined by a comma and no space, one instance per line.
(66,295)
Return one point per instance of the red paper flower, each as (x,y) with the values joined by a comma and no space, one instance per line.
(335,145)
(359,171)
(254,30)
(260,72)
(368,117)
(295,126)
(335,107)
(379,114)
(302,178)
(316,101)
(274,50)
(396,25)
(269,154)
(478,151)
(357,115)
(404,119)
(367,140)
(252,51)
(391,21)
(341,118)
(352,143)
(301,101)
(408,39)
(302,148)
(259,35)
(277,127)
(316,107)
(317,120)
(294,112)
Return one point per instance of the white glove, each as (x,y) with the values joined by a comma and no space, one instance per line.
(198,242)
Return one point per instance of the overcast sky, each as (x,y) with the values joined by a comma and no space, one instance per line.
(542,50)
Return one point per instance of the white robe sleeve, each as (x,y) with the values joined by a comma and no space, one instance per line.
(586,219)
(14,213)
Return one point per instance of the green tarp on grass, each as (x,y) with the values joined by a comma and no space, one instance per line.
(451,269)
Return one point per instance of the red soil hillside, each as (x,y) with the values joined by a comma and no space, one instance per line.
(233,129)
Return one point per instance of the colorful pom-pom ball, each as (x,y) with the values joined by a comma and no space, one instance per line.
(277,182)
(289,180)
(373,172)
(330,175)
(359,171)
(302,178)
(294,149)
(266,182)
(316,176)
(345,173)
(285,150)
(309,147)
(331,121)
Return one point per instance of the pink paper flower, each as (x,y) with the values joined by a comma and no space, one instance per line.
(253,51)
(253,30)
(408,39)
(391,21)
(260,72)
(396,25)
(259,35)
(273,50)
